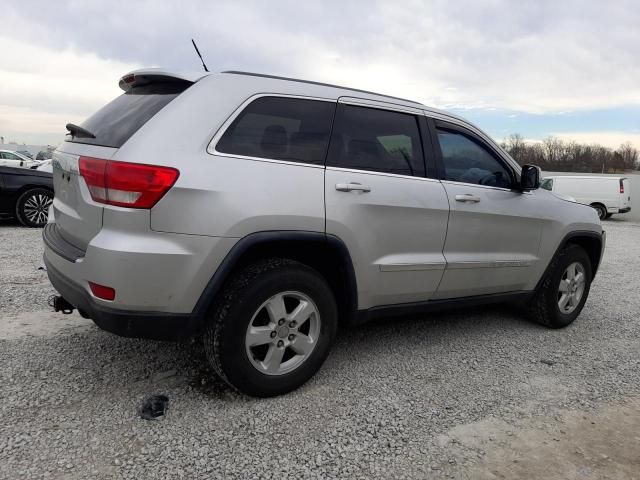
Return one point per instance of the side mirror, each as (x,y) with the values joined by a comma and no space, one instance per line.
(530,177)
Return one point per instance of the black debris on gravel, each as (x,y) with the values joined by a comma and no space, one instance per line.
(154,407)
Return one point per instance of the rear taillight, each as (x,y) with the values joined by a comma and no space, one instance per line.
(621,186)
(126,184)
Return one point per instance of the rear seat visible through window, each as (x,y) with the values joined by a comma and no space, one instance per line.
(281,128)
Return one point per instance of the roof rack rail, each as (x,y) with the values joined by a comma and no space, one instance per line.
(275,77)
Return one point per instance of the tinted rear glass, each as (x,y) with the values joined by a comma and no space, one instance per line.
(281,128)
(378,140)
(118,120)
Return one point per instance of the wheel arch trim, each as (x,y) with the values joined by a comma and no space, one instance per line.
(571,237)
(244,245)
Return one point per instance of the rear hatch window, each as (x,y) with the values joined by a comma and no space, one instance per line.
(117,121)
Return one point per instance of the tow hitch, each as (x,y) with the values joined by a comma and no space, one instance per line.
(59,304)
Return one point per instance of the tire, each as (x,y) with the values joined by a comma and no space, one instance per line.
(600,209)
(544,307)
(32,207)
(251,299)
(608,216)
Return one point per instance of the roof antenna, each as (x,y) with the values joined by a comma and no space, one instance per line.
(198,52)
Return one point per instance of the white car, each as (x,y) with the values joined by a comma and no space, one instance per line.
(45,166)
(608,195)
(10,158)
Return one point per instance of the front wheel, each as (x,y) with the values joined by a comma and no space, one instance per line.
(32,207)
(272,329)
(563,293)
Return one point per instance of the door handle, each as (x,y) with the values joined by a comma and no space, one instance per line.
(467,197)
(352,187)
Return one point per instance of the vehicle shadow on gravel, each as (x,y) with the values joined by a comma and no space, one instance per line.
(146,367)
(11,222)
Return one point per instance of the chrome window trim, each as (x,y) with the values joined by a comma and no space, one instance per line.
(380,105)
(213,143)
(381,174)
(453,182)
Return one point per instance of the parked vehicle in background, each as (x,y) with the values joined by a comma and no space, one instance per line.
(9,158)
(25,153)
(608,195)
(25,194)
(260,212)
(44,155)
(45,166)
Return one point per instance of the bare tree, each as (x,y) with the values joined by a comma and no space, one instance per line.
(554,154)
(629,155)
(514,144)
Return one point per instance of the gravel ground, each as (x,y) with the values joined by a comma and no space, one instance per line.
(470,394)
(24,287)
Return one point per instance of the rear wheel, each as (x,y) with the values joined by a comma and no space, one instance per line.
(608,215)
(272,329)
(32,207)
(600,209)
(564,291)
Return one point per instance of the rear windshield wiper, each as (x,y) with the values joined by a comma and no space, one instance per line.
(79,132)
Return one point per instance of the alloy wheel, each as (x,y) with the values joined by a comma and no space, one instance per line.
(283,333)
(571,288)
(36,208)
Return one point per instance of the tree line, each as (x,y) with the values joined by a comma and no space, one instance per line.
(556,155)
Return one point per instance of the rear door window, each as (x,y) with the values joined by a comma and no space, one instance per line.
(118,120)
(378,140)
(281,128)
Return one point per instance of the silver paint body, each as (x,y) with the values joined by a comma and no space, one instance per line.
(409,239)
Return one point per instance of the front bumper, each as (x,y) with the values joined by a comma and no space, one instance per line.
(126,323)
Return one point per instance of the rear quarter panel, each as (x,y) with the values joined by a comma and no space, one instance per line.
(216,195)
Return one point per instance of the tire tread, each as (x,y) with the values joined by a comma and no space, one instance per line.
(230,294)
(539,308)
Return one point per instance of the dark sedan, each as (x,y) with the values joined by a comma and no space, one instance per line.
(26,195)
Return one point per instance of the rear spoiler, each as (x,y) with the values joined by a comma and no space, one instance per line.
(146,76)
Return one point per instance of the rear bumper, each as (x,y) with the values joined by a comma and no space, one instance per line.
(159,278)
(126,323)
(624,210)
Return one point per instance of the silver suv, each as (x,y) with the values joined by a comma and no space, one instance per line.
(261,213)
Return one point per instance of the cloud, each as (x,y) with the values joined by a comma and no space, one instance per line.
(608,139)
(42,88)
(538,57)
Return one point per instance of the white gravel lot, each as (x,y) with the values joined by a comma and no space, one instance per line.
(472,394)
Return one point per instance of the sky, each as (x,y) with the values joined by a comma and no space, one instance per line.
(565,68)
